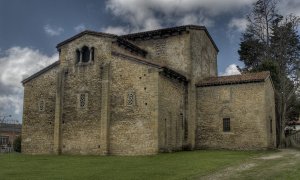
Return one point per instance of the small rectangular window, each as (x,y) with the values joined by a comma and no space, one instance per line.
(41,105)
(4,140)
(82,100)
(131,98)
(271,128)
(226,124)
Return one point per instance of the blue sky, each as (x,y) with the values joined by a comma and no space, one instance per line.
(30,30)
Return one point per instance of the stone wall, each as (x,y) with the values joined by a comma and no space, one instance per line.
(270,113)
(204,56)
(134,107)
(172,115)
(81,126)
(245,105)
(173,51)
(38,113)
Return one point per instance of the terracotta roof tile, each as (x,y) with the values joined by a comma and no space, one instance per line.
(234,79)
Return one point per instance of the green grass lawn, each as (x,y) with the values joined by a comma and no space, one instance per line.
(180,165)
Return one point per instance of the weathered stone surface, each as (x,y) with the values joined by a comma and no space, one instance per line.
(38,126)
(249,106)
(125,102)
(172,114)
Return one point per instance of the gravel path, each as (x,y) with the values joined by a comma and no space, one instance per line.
(258,167)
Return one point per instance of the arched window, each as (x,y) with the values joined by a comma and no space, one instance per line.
(77,56)
(85,54)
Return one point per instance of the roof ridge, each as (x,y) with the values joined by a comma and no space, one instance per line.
(234,79)
(84,33)
(169,31)
(166,28)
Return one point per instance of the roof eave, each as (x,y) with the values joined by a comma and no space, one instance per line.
(229,83)
(40,72)
(86,32)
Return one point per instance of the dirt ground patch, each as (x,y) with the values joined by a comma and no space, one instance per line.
(268,166)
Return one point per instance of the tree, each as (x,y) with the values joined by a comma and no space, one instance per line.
(285,47)
(255,43)
(271,43)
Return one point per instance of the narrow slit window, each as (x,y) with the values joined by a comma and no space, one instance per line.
(130,98)
(42,105)
(85,54)
(226,124)
(82,100)
(271,128)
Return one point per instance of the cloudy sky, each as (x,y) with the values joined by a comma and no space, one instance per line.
(30,30)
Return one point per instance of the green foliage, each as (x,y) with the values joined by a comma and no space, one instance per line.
(294,109)
(271,43)
(17,144)
(273,67)
(251,51)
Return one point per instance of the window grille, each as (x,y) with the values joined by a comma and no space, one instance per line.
(42,105)
(82,100)
(131,98)
(226,124)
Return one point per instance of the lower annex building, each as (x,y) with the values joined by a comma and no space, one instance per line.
(144,93)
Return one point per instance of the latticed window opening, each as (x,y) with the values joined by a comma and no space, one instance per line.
(41,105)
(82,100)
(130,98)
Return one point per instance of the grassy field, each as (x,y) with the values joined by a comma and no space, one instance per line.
(180,165)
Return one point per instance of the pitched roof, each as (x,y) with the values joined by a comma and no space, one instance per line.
(166,70)
(41,72)
(94,33)
(234,79)
(146,34)
(167,32)
(132,47)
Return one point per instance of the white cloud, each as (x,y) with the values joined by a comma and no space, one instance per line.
(11,102)
(80,28)
(195,19)
(118,30)
(239,24)
(16,64)
(289,6)
(53,31)
(236,26)
(152,14)
(231,70)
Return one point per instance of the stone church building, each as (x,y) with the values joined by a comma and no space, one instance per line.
(144,93)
